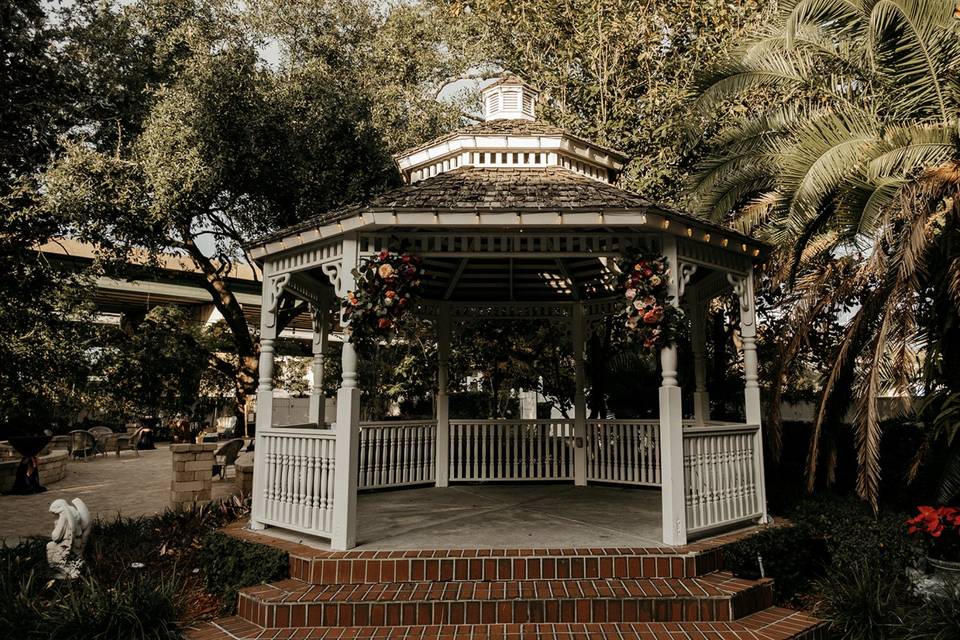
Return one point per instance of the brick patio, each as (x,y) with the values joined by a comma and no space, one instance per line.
(128,486)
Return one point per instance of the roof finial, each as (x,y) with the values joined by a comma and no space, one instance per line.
(509,98)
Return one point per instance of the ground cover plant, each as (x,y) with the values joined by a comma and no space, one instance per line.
(837,559)
(144,578)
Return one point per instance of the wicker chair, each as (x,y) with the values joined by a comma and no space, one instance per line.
(104,437)
(129,441)
(226,455)
(82,444)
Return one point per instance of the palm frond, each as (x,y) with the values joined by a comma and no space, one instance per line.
(914,42)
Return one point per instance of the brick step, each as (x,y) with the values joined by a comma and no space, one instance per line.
(320,566)
(769,624)
(368,567)
(714,597)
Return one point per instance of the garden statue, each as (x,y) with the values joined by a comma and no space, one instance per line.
(69,537)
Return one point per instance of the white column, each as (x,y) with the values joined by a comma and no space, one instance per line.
(751,391)
(672,489)
(321,330)
(268,334)
(579,399)
(443,400)
(698,340)
(347,427)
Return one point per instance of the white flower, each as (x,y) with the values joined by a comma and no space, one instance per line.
(631,294)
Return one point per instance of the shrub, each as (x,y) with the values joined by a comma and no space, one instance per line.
(862,602)
(937,618)
(136,608)
(229,564)
(853,535)
(23,576)
(792,556)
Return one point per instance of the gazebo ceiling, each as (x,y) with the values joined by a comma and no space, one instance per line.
(516,279)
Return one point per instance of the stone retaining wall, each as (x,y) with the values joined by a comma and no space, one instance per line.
(53,466)
(192,474)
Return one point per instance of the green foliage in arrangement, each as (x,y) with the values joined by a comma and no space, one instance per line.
(229,564)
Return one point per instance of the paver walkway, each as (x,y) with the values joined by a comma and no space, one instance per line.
(127,485)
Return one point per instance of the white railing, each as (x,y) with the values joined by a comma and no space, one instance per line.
(487,450)
(623,452)
(721,476)
(299,468)
(397,453)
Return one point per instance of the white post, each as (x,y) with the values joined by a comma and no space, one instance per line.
(347,427)
(579,399)
(751,391)
(443,400)
(321,330)
(268,334)
(672,489)
(698,340)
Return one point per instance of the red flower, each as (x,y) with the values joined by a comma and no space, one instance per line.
(384,323)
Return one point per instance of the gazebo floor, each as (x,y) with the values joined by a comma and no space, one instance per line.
(505,516)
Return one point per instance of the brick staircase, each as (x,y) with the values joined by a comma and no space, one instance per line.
(560,594)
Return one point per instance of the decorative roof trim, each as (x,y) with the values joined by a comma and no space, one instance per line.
(652,219)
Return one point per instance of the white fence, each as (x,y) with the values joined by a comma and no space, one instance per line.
(491,450)
(623,452)
(397,453)
(299,469)
(721,464)
(721,473)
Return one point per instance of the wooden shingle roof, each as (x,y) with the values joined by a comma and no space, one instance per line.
(488,189)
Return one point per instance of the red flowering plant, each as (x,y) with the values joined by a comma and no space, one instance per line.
(650,315)
(939,527)
(387,285)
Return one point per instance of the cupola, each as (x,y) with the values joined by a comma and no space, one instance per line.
(510,138)
(509,98)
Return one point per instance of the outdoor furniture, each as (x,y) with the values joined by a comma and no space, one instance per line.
(103,435)
(226,455)
(82,444)
(130,441)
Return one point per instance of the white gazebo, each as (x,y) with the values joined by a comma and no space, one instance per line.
(513,218)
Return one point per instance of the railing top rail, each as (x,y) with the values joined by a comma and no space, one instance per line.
(653,421)
(512,421)
(313,432)
(301,425)
(718,429)
(398,423)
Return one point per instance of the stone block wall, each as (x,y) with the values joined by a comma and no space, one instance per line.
(53,467)
(192,474)
(244,477)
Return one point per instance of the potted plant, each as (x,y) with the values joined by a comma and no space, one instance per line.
(939,528)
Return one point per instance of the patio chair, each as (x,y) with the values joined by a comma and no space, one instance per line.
(226,455)
(104,438)
(82,444)
(129,441)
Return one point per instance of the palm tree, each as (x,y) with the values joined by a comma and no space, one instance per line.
(846,158)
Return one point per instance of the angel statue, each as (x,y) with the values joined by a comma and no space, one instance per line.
(69,537)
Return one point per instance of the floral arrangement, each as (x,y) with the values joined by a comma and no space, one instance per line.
(940,527)
(650,315)
(387,284)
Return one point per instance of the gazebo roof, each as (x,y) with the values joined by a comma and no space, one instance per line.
(481,189)
(508,173)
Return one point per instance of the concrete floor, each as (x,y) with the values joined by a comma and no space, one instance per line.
(504,516)
(128,486)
